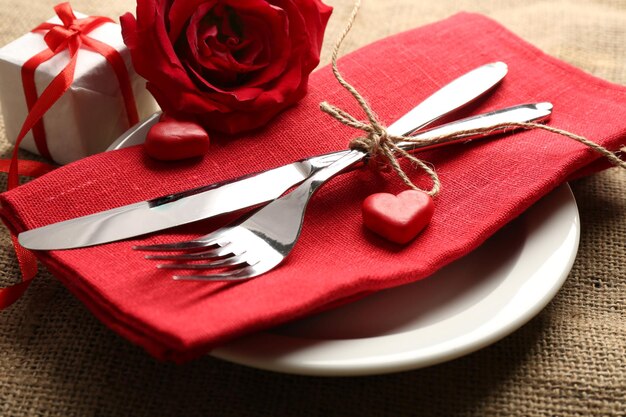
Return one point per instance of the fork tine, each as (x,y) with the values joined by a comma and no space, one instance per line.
(269,234)
(239,274)
(218,252)
(220,263)
(179,246)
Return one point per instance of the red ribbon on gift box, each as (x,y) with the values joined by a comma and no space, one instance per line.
(71,35)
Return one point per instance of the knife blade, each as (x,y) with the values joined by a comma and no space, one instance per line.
(247,191)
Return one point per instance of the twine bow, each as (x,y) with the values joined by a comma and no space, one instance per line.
(378,143)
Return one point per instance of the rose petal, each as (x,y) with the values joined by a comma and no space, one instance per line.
(152,46)
(129,30)
(232,74)
(180,13)
(280,48)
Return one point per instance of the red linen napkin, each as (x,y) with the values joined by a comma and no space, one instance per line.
(485,185)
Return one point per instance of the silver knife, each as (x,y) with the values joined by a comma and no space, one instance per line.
(225,197)
(250,190)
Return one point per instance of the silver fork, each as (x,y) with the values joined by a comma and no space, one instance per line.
(256,245)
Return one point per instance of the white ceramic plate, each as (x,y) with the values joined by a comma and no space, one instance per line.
(464,307)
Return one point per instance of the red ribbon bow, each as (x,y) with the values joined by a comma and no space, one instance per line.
(71,35)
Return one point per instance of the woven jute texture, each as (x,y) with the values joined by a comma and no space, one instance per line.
(56,359)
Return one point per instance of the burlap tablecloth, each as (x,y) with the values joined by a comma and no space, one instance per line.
(57,359)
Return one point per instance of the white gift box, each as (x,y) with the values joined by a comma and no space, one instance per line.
(91,114)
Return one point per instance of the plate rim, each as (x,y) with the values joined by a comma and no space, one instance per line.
(243,351)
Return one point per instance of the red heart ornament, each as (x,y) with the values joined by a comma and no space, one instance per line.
(171,140)
(398,218)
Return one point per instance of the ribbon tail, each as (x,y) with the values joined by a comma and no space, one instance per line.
(26,259)
(58,38)
(11,294)
(28,267)
(59,85)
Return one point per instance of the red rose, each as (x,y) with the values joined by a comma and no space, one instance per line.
(231,65)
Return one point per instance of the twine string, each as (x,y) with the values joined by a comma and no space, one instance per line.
(379,144)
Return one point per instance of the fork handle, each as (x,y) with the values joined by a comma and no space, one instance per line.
(303,193)
(320,177)
(533,112)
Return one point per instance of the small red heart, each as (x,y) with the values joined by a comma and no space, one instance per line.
(171,140)
(398,218)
